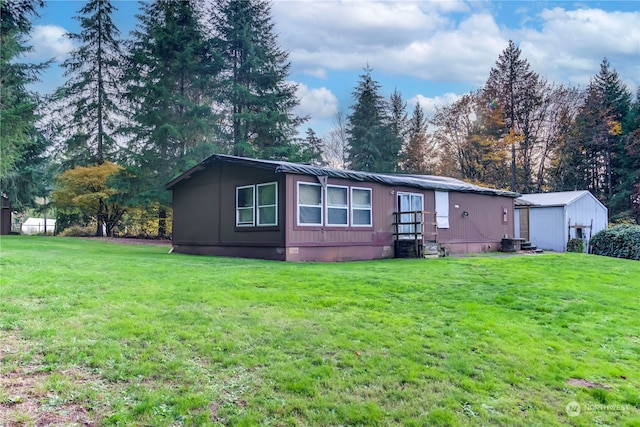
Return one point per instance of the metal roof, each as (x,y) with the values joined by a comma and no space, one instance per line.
(426,182)
(561,198)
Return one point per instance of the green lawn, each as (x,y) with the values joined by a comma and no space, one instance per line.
(131,335)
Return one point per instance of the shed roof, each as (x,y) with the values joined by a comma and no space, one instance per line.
(560,198)
(427,182)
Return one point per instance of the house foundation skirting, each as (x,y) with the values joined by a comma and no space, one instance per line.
(293,253)
(471,247)
(272,253)
(324,253)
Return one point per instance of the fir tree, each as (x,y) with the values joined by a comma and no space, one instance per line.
(397,131)
(368,128)
(169,81)
(254,83)
(23,162)
(310,150)
(610,99)
(517,91)
(416,150)
(92,90)
(599,139)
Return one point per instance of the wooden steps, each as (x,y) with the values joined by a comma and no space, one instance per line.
(528,247)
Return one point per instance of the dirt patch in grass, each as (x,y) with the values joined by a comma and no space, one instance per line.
(579,382)
(32,395)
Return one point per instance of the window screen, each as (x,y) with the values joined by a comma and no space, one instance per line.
(267,204)
(361,206)
(337,207)
(309,204)
(244,206)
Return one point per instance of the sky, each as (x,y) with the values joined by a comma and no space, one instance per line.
(432,52)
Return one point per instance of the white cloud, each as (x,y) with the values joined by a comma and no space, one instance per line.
(429,104)
(412,38)
(571,44)
(49,41)
(318,103)
(454,41)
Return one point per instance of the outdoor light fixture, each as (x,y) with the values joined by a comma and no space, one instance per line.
(465,213)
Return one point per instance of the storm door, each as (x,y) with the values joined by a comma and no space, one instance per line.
(408,203)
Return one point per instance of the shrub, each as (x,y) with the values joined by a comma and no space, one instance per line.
(79,231)
(575,245)
(621,241)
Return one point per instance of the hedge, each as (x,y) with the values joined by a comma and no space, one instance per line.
(621,241)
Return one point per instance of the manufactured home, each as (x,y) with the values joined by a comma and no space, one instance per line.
(235,206)
(550,220)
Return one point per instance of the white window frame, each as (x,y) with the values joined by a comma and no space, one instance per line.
(321,205)
(257,204)
(253,207)
(353,208)
(345,207)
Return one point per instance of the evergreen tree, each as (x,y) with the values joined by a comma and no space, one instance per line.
(369,130)
(608,104)
(23,162)
(310,150)
(397,133)
(92,89)
(626,198)
(253,85)
(416,151)
(599,135)
(169,81)
(518,92)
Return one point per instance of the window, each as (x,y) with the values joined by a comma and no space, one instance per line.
(259,201)
(360,207)
(309,204)
(245,206)
(337,207)
(267,204)
(333,205)
(442,209)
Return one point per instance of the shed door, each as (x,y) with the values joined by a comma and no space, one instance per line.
(524,223)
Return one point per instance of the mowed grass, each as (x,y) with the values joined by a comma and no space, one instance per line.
(123,334)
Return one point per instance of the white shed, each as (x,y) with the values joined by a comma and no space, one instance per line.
(549,220)
(37,225)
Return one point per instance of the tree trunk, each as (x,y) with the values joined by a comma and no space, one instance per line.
(99,232)
(162,223)
(514,186)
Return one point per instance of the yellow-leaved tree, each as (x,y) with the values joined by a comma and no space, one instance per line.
(86,189)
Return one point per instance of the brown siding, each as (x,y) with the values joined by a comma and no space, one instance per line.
(379,234)
(196,213)
(204,208)
(484,222)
